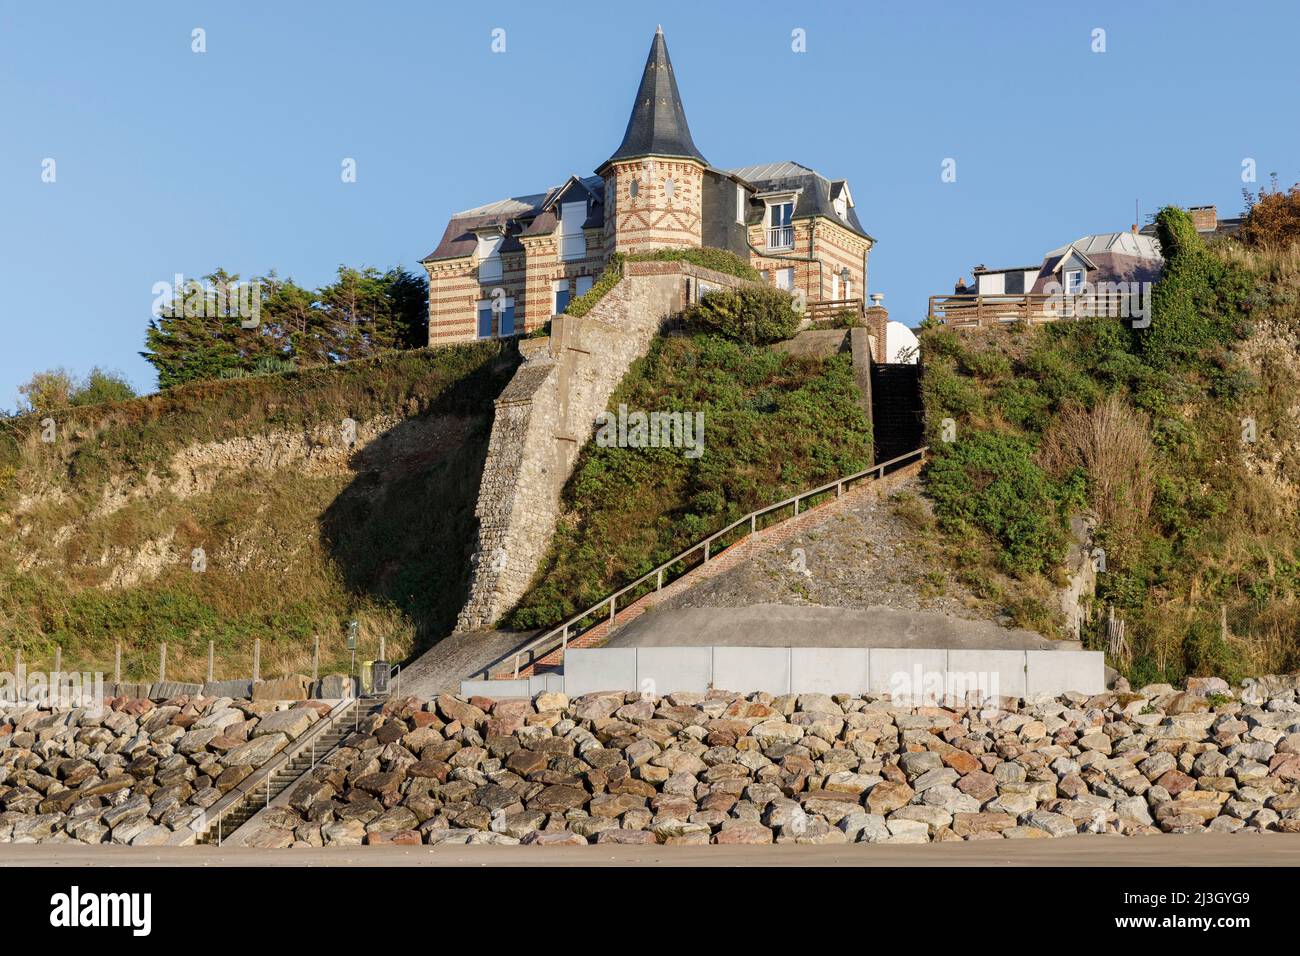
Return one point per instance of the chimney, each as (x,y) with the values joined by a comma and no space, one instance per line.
(1204,218)
(877,318)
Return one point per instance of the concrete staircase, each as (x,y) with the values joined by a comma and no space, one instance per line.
(896,409)
(308,752)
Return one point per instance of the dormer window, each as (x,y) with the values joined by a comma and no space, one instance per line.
(780,225)
(740,204)
(573,244)
(842,207)
(489,255)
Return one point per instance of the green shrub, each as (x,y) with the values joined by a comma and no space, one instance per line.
(599,289)
(1194,305)
(989,481)
(755,315)
(773,424)
(719,260)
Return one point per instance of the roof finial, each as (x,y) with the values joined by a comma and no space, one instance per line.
(659,30)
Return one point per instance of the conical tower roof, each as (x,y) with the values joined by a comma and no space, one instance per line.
(657,126)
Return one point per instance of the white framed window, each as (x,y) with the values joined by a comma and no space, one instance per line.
(573,244)
(780,227)
(1073,281)
(584,284)
(498,321)
(785,279)
(765,276)
(560,290)
(489,256)
(842,207)
(740,204)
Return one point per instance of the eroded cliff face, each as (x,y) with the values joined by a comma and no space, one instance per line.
(1272,352)
(207,527)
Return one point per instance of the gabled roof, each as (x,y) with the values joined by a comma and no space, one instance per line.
(657,126)
(816,192)
(528,215)
(1122,243)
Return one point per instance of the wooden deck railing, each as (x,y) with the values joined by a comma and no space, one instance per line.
(820,309)
(975,311)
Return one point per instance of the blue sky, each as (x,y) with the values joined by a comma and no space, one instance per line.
(172,161)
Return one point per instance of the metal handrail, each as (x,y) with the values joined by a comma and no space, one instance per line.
(241,793)
(561,631)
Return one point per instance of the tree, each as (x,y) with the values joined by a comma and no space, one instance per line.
(101,385)
(57,388)
(46,391)
(360,313)
(198,336)
(1272,217)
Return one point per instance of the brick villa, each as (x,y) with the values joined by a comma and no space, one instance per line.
(531,254)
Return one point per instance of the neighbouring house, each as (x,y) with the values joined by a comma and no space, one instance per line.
(505,268)
(1109,266)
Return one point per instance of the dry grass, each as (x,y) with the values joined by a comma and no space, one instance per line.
(1111,443)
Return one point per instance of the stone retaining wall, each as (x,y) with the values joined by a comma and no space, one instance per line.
(547,413)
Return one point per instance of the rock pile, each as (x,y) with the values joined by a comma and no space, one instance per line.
(134,772)
(757,769)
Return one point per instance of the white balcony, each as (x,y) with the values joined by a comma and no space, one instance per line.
(779,238)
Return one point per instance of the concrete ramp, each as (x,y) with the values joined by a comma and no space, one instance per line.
(783,625)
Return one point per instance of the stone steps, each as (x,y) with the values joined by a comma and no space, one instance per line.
(284,777)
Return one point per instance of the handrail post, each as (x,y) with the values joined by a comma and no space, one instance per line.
(659,583)
(611,609)
(706,552)
(753,522)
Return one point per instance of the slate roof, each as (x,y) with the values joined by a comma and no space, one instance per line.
(657,126)
(521,215)
(1115,256)
(815,192)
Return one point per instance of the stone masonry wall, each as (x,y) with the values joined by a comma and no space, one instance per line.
(544,417)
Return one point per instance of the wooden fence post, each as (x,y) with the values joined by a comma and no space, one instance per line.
(117,663)
(315,657)
(257,659)
(162,662)
(211,662)
(58,664)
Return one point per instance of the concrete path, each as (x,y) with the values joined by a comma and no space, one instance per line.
(784,625)
(1203,849)
(441,668)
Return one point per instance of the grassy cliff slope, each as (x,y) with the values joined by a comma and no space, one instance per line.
(773,424)
(1182,438)
(235,510)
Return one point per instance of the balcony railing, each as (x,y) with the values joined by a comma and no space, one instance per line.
(780,237)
